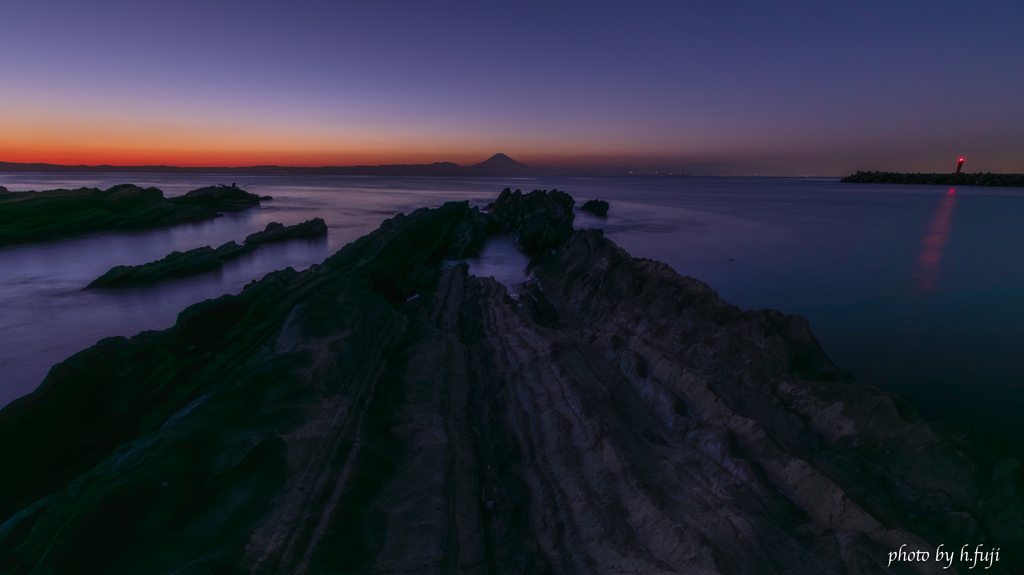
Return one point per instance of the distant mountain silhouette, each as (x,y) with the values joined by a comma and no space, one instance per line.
(497,165)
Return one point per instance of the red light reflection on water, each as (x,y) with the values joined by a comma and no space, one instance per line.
(938,234)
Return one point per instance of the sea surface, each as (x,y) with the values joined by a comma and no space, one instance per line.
(917,289)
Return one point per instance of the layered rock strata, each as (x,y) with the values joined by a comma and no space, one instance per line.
(37,216)
(277,232)
(204,259)
(540,220)
(616,418)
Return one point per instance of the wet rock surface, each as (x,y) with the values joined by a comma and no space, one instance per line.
(204,259)
(618,417)
(38,216)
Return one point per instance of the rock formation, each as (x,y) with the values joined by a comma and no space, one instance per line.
(36,216)
(616,418)
(540,220)
(175,265)
(231,250)
(204,259)
(275,232)
(221,198)
(597,207)
(962,179)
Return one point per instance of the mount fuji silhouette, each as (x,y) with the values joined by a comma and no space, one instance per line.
(497,165)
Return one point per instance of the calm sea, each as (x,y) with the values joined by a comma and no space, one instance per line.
(917,289)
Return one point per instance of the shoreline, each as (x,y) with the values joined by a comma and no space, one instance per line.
(605,371)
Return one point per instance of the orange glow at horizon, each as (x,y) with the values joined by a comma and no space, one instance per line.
(203,141)
(226,153)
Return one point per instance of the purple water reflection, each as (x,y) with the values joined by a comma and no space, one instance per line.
(938,235)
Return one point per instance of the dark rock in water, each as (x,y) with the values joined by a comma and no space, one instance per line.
(624,419)
(266,198)
(204,259)
(232,250)
(276,232)
(221,198)
(543,219)
(34,216)
(596,207)
(175,265)
(4,190)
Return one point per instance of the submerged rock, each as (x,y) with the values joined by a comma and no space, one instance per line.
(618,417)
(597,207)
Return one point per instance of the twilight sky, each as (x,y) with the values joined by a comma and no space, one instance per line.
(778,87)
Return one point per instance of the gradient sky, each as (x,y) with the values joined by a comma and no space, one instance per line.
(784,87)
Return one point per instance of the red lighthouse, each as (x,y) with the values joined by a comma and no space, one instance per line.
(959,165)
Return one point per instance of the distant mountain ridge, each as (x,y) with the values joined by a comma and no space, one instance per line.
(497,165)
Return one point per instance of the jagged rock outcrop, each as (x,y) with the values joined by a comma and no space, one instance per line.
(222,198)
(175,265)
(597,207)
(276,232)
(231,250)
(540,219)
(37,216)
(617,417)
(961,179)
(204,259)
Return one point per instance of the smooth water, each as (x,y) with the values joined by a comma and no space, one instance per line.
(918,289)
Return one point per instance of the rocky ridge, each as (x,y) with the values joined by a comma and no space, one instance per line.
(37,216)
(616,417)
(199,260)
